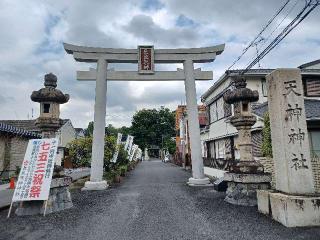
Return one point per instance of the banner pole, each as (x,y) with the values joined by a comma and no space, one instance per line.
(45,207)
(9,213)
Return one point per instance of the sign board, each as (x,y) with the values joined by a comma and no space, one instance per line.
(115,155)
(36,171)
(146,59)
(130,144)
(134,148)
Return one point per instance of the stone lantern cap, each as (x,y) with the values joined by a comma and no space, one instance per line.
(49,93)
(240,93)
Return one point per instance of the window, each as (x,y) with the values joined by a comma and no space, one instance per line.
(312,87)
(219,109)
(264,87)
(315,143)
(220,149)
(46,108)
(213,112)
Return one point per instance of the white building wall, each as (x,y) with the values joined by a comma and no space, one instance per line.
(66,133)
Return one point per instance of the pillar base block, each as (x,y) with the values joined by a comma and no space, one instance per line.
(290,210)
(93,186)
(199,182)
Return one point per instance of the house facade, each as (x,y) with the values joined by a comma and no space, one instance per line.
(220,138)
(14,155)
(13,144)
(183,150)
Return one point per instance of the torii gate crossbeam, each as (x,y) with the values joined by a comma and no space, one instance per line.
(146,56)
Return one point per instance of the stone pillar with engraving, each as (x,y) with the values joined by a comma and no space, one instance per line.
(246,175)
(294,203)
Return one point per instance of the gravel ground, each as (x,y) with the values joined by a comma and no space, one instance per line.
(153,202)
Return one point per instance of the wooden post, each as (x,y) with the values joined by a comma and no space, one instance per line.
(10,209)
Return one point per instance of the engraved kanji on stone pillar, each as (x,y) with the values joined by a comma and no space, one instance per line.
(290,145)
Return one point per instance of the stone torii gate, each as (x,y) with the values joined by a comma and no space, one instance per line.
(145,56)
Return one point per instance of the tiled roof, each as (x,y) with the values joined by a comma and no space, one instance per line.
(312,108)
(18,131)
(28,125)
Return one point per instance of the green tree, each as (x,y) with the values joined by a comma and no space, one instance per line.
(89,130)
(111,130)
(170,144)
(152,126)
(124,130)
(266,137)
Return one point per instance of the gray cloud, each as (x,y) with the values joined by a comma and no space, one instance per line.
(143,27)
(31,45)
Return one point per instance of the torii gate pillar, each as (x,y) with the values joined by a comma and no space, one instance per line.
(146,56)
(198,177)
(96,182)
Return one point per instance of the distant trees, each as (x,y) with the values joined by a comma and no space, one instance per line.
(153,127)
(148,126)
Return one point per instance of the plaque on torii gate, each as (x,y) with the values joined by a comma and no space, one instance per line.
(145,57)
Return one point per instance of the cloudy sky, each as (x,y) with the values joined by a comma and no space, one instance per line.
(32,33)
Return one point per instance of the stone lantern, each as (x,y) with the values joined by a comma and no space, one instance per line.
(49,122)
(50,99)
(246,175)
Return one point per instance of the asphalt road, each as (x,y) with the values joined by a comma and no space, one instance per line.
(152,203)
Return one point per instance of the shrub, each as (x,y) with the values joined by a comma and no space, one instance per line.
(266,137)
(80,151)
(123,169)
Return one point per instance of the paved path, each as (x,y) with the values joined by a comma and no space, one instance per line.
(152,203)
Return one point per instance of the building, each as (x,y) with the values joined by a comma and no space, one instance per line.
(183,150)
(80,132)
(66,133)
(13,144)
(219,138)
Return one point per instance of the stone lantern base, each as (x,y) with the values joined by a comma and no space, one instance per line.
(242,187)
(59,199)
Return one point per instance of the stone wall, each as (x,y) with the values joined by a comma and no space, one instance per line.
(268,168)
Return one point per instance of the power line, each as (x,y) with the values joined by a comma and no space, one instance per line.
(279,24)
(259,34)
(293,24)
